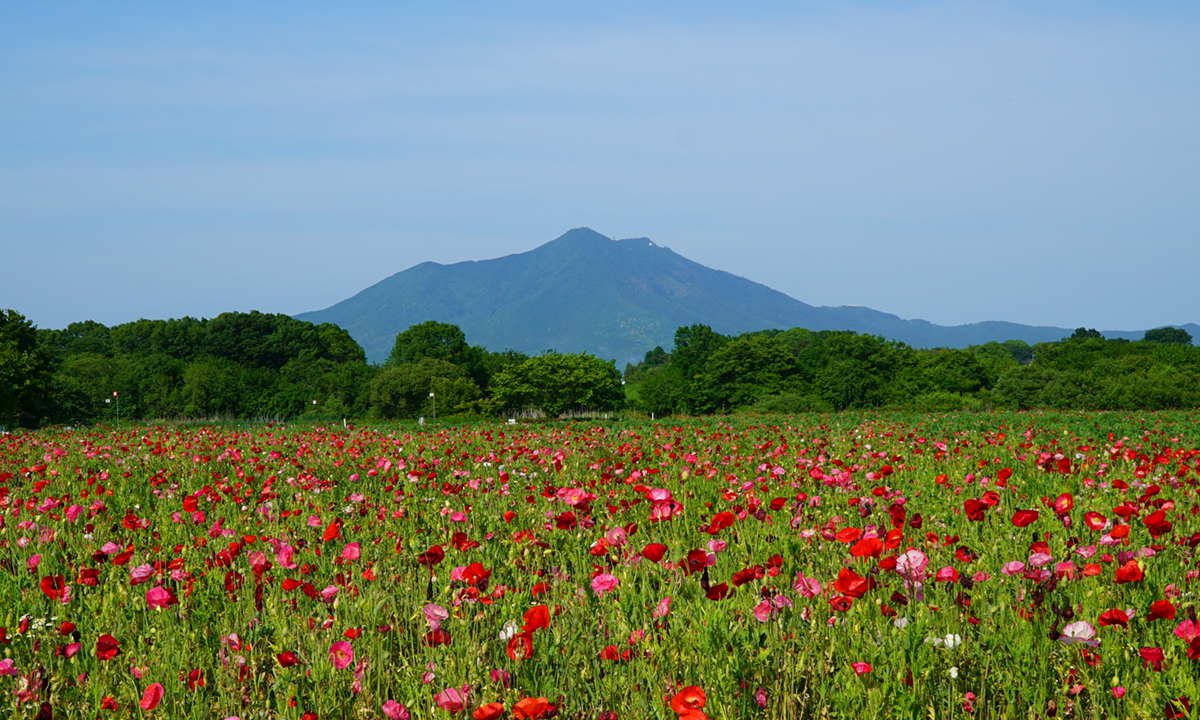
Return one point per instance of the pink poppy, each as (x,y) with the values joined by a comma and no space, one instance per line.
(861,668)
(946,574)
(808,587)
(1016,567)
(160,597)
(1081,633)
(341,655)
(911,565)
(395,711)
(286,557)
(435,614)
(663,608)
(452,700)
(351,552)
(604,583)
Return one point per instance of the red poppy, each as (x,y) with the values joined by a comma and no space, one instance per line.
(332,531)
(520,647)
(566,521)
(974,509)
(536,618)
(894,537)
(720,520)
(53,587)
(1177,711)
(1004,475)
(1161,610)
(474,573)
(1157,523)
(432,556)
(1115,616)
(109,703)
(195,678)
(741,577)
(992,498)
(697,560)
(849,535)
(689,698)
(718,592)
(287,659)
(491,711)
(462,543)
(436,637)
(841,603)
(107,647)
(964,554)
(529,708)
(852,584)
(1023,518)
(152,697)
(1063,504)
(1129,572)
(1094,520)
(867,548)
(654,552)
(1152,657)
(89,577)
(610,652)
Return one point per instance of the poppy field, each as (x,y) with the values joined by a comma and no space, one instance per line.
(818,566)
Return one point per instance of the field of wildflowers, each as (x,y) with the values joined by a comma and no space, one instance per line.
(869,565)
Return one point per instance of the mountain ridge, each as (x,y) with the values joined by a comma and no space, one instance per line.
(616,299)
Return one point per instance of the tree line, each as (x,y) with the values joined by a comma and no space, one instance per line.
(257,365)
(800,370)
(271,366)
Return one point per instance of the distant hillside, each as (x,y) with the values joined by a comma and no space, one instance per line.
(616,299)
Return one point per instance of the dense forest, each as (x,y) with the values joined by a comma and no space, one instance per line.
(261,366)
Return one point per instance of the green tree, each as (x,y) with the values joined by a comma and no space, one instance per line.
(555,383)
(1086,334)
(1022,388)
(665,392)
(24,370)
(743,369)
(1168,335)
(431,339)
(654,359)
(693,346)
(402,391)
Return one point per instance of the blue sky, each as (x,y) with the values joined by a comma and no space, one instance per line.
(958,162)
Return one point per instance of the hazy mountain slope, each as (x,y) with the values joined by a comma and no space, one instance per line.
(614,299)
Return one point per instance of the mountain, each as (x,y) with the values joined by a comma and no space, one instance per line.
(616,299)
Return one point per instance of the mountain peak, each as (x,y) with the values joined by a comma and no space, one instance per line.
(584,292)
(580,235)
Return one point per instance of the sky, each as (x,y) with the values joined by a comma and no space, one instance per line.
(1035,162)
